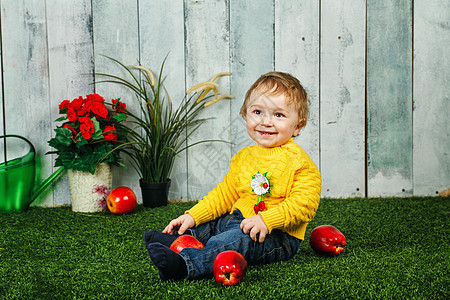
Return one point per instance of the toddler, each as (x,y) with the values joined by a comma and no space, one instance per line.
(264,203)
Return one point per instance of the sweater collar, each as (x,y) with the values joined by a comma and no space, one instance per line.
(261,151)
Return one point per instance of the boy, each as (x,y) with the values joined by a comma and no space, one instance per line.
(263,205)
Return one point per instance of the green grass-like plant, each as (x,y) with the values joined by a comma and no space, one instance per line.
(397,248)
(158,132)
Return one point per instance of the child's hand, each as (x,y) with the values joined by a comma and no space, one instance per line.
(182,223)
(253,226)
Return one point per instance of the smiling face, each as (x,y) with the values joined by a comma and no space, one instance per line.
(271,119)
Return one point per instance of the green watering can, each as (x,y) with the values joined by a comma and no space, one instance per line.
(17,175)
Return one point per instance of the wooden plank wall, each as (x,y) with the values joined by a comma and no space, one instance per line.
(389,96)
(431,128)
(342,113)
(377,74)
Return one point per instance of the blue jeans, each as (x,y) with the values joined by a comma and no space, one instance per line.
(224,234)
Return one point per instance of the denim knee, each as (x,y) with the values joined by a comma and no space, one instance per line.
(278,246)
(205,231)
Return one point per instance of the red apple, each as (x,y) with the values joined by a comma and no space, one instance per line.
(328,240)
(185,241)
(229,267)
(121,200)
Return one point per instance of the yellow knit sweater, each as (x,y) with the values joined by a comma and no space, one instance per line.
(294,194)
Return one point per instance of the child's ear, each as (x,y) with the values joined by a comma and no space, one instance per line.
(300,125)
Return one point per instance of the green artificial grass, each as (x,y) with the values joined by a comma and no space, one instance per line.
(397,248)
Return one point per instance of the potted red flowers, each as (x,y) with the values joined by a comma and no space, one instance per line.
(84,143)
(88,133)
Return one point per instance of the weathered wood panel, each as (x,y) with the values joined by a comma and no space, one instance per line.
(161,34)
(48,45)
(342,98)
(297,52)
(25,75)
(389,97)
(70,52)
(252,54)
(431,97)
(116,34)
(207,53)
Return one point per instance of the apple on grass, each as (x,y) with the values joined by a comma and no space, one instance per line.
(327,240)
(121,200)
(229,268)
(185,241)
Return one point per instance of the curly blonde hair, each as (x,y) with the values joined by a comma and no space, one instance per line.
(277,83)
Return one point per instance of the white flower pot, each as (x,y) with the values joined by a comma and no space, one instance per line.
(82,185)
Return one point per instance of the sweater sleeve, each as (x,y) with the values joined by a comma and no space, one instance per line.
(301,203)
(218,201)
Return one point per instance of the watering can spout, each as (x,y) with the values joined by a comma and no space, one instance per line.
(17,176)
(46,183)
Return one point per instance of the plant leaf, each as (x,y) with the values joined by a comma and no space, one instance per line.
(63,118)
(63,136)
(98,133)
(120,117)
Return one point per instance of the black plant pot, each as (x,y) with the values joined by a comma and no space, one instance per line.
(154,194)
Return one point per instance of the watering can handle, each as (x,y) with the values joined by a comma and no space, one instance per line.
(19,137)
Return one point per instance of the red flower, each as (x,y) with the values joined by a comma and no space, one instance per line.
(86,127)
(82,112)
(72,115)
(256,208)
(74,132)
(122,106)
(110,133)
(100,110)
(96,105)
(64,104)
(77,103)
(95,97)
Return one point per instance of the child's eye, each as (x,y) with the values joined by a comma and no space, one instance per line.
(257,112)
(279,115)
